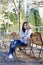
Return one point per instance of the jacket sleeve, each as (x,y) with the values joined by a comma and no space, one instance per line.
(29,33)
(22,34)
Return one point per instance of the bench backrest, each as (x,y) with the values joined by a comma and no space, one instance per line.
(36,38)
(14,36)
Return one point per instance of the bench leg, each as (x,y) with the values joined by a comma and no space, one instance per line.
(31,50)
(40,51)
(14,54)
(24,50)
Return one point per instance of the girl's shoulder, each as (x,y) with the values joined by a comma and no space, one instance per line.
(29,30)
(21,31)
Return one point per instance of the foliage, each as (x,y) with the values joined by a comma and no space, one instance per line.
(12,16)
(35,19)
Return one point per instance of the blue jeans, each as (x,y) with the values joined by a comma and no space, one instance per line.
(14,44)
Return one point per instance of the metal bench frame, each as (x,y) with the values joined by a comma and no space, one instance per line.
(37,41)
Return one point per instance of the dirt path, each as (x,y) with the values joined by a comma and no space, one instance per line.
(18,62)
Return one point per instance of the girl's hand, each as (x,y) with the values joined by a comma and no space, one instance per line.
(26,38)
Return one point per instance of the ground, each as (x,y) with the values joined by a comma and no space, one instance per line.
(32,61)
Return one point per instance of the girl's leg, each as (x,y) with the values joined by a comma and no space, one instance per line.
(12,45)
(11,50)
(19,43)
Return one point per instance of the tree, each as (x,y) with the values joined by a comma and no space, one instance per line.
(36,19)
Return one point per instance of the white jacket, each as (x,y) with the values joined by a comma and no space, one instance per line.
(24,34)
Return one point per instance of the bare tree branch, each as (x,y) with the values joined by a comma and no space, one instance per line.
(15,5)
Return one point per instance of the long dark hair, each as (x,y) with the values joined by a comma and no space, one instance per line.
(23,29)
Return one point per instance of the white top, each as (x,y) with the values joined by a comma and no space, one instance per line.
(24,34)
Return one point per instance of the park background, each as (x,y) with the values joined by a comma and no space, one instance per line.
(12,15)
(14,12)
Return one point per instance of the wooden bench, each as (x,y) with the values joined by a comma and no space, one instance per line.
(24,49)
(17,36)
(37,40)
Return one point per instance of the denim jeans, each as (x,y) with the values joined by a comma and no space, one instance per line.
(14,44)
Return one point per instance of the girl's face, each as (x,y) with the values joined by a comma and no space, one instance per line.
(26,25)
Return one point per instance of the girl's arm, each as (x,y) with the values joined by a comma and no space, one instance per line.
(22,34)
(28,35)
